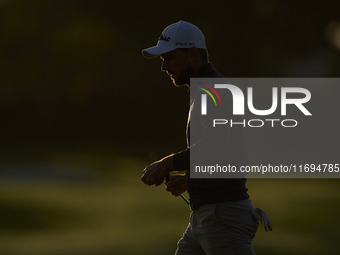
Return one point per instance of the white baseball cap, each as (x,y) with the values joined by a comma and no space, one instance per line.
(178,35)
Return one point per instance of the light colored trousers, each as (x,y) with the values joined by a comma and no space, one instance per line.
(222,229)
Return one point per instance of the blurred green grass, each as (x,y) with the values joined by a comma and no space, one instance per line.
(113,212)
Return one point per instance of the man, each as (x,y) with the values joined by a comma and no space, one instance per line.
(223,220)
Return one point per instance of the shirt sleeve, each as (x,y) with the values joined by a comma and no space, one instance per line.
(207,142)
(181,160)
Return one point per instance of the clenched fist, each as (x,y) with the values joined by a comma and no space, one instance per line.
(156,172)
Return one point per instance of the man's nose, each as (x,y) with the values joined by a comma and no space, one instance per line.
(164,66)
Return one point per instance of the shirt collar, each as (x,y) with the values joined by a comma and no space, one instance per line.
(206,71)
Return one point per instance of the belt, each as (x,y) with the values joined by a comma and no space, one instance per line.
(195,206)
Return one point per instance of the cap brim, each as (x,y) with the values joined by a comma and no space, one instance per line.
(156,51)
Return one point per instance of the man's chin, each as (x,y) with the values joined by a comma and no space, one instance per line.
(179,83)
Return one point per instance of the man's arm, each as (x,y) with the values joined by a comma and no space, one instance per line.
(181,160)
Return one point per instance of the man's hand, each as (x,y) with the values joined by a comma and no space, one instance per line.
(177,185)
(156,172)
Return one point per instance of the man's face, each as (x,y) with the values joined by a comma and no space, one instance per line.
(176,64)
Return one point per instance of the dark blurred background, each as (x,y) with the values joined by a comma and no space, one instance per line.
(72,73)
(82,113)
